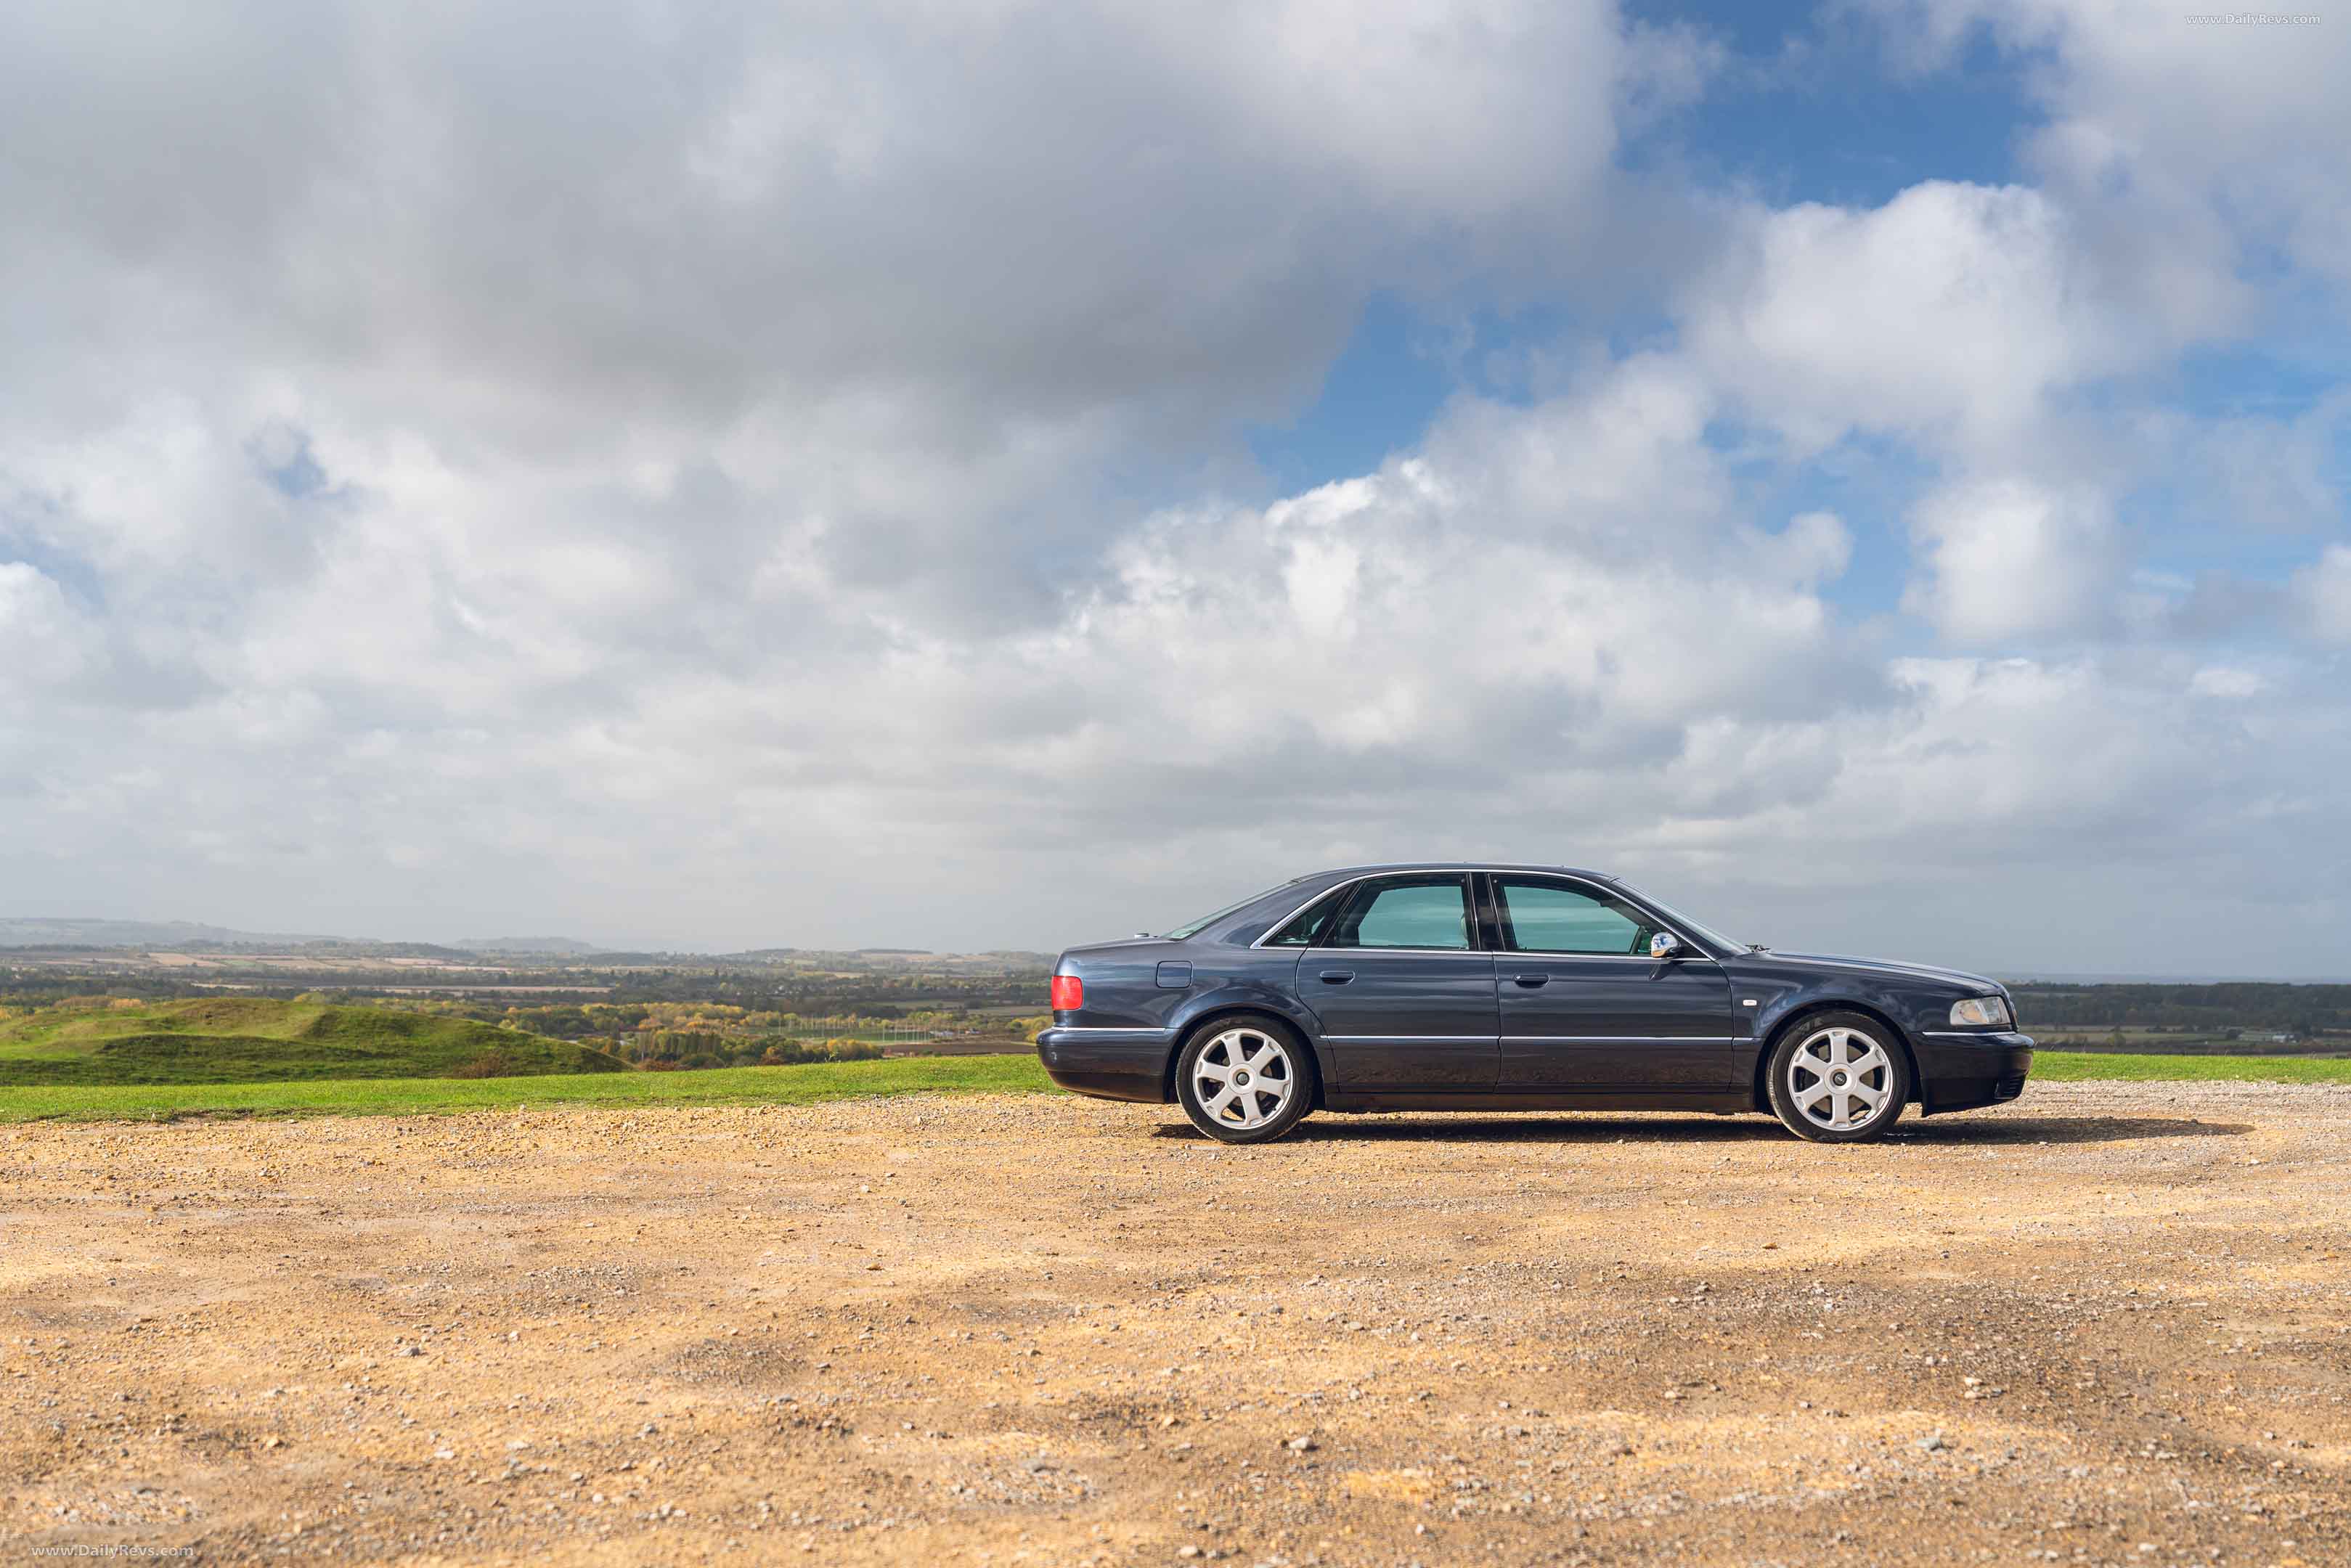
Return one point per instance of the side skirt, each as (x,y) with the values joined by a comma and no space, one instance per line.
(1725,1100)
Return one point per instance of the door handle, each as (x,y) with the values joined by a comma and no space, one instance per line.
(1337,977)
(1531,981)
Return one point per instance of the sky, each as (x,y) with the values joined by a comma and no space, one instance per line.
(1004,474)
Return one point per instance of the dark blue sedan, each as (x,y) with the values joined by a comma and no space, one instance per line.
(1462,987)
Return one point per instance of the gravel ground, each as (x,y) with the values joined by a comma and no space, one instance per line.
(2110,1323)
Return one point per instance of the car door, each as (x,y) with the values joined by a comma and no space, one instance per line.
(1582,1005)
(1404,987)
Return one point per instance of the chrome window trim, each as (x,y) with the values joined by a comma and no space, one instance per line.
(1569,877)
(1690,958)
(1408,952)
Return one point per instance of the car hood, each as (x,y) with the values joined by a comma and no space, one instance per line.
(1887,967)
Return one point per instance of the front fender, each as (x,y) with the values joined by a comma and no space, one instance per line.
(1774,1009)
(1781,996)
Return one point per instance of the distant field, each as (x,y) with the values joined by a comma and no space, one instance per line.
(247,1040)
(2076,1066)
(2164,1043)
(821,1082)
(804,1085)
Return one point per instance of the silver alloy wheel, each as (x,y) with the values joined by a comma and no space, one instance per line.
(1839,1079)
(1244,1078)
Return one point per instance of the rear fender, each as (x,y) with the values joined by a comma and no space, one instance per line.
(1237,996)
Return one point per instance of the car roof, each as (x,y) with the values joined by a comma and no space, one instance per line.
(1353,871)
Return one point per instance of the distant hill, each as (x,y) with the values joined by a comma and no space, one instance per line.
(560,947)
(255,1040)
(49,939)
(337,947)
(167,933)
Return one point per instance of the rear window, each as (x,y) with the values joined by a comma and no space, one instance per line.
(1194,927)
(1306,929)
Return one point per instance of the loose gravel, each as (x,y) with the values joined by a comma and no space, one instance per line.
(2110,1323)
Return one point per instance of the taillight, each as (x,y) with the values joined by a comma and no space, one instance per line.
(1069,993)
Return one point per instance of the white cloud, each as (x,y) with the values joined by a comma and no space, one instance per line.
(2225,682)
(905,283)
(2010,558)
(2196,145)
(41,645)
(1454,596)
(462,696)
(1460,652)
(1951,314)
(2324,591)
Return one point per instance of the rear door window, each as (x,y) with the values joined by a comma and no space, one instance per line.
(1414,912)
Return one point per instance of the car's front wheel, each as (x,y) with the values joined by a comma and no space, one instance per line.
(1244,1080)
(1835,1078)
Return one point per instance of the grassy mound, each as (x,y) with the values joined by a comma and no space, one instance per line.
(257,1039)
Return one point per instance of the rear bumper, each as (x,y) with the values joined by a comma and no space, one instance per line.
(1960,1072)
(1107,1063)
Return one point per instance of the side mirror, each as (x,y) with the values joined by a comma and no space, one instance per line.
(1665,946)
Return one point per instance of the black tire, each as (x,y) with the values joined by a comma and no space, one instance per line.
(1824,1069)
(1275,1071)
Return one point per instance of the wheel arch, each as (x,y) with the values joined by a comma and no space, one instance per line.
(1194,1025)
(1760,1089)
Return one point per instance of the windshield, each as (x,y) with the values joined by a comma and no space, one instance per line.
(1713,938)
(1194,927)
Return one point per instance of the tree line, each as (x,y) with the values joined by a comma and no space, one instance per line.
(2251,1006)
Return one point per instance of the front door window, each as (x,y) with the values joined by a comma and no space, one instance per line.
(1556,918)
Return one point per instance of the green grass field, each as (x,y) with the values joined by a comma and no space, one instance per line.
(249,1040)
(806,1085)
(821,1081)
(2080,1066)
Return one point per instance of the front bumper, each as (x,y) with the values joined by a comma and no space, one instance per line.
(1958,1072)
(1107,1063)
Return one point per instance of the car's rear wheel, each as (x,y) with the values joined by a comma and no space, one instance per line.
(1245,1080)
(1835,1078)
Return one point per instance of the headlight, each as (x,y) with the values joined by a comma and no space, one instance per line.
(1980,1012)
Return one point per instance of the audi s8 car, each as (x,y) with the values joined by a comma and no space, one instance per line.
(1473,987)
